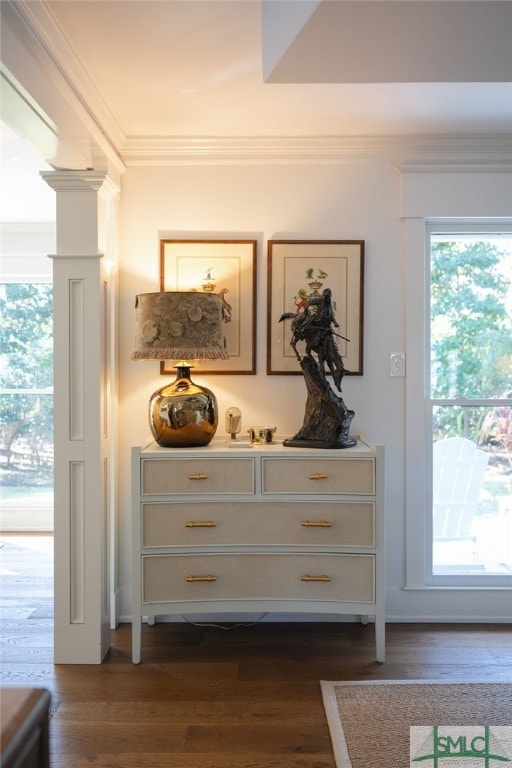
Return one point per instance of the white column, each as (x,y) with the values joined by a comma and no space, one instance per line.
(84,406)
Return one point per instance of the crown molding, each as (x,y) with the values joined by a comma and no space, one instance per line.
(460,167)
(436,150)
(239,150)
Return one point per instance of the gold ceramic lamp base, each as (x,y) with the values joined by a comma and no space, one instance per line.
(183,413)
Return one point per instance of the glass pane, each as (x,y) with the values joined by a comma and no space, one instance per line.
(472,490)
(471,316)
(26,478)
(26,396)
(26,336)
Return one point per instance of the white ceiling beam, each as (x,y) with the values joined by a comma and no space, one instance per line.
(42,104)
(395,41)
(281,21)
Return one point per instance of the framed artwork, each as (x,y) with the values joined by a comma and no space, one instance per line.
(298,271)
(226,267)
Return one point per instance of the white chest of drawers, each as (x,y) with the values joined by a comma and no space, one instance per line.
(258,529)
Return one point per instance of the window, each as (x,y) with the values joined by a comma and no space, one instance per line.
(26,405)
(459,404)
(469,407)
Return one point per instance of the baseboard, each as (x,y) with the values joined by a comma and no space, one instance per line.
(251,618)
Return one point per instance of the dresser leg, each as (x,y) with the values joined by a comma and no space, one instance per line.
(380,639)
(136,639)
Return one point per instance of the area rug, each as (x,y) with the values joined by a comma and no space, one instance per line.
(397,724)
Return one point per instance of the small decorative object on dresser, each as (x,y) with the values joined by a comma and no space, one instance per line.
(233,421)
(256,530)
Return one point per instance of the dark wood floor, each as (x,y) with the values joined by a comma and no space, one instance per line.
(206,697)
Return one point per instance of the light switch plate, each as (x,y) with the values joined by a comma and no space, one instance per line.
(397,364)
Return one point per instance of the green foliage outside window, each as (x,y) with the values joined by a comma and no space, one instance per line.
(471,338)
(471,332)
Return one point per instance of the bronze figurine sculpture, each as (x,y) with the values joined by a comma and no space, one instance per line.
(327,419)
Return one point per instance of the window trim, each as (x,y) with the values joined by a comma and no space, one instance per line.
(418,470)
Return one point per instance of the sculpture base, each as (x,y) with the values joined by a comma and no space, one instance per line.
(346,442)
(327,419)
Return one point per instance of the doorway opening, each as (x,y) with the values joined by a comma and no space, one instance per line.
(27,237)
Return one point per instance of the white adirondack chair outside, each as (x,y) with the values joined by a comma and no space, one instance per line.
(458,475)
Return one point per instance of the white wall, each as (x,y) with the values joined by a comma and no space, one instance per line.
(352,201)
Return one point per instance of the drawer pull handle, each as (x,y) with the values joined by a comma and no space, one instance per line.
(316,524)
(318,476)
(198,476)
(311,577)
(193,579)
(200,524)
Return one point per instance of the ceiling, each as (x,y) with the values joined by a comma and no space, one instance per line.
(155,81)
(295,68)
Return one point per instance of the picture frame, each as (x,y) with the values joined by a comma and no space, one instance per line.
(230,266)
(299,270)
